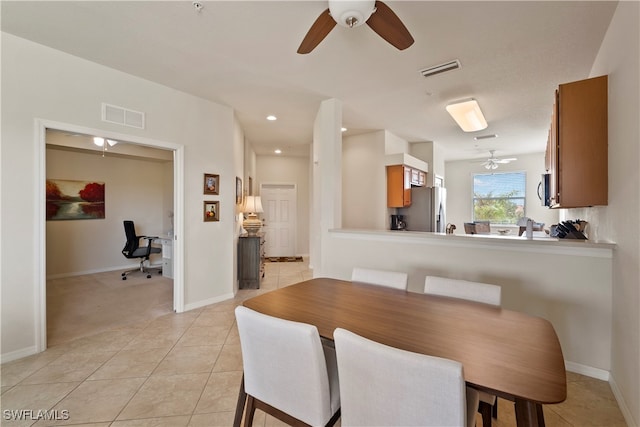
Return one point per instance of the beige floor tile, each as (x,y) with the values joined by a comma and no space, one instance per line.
(221,393)
(215,318)
(214,419)
(271,421)
(204,335)
(72,312)
(12,373)
(590,403)
(70,367)
(37,397)
(97,401)
(163,396)
(234,337)
(133,363)
(112,340)
(230,359)
(179,421)
(156,338)
(189,360)
(176,321)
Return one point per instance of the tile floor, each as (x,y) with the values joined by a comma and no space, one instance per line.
(184,370)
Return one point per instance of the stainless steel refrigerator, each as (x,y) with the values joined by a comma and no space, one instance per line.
(428,210)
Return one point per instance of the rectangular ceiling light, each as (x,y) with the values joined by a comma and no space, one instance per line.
(468,115)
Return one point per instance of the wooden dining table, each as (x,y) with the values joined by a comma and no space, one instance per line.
(503,352)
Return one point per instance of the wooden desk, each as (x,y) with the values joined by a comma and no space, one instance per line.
(509,354)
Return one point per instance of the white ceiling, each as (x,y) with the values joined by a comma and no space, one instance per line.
(243,54)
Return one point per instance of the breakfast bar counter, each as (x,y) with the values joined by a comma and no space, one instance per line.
(566,281)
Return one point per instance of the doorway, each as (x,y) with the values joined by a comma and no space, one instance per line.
(177,152)
(279,202)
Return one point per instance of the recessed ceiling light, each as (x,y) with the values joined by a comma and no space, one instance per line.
(343,129)
(277,151)
(272,118)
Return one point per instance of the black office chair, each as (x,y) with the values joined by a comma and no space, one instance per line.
(132,249)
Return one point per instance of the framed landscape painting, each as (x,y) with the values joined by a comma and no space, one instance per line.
(67,199)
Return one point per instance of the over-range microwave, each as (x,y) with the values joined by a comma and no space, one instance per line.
(544,190)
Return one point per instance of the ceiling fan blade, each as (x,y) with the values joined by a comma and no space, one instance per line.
(388,26)
(318,31)
(505,160)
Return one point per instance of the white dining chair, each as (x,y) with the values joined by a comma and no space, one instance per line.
(472,291)
(386,386)
(288,373)
(392,279)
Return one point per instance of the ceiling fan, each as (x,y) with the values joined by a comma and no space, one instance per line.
(354,13)
(492,162)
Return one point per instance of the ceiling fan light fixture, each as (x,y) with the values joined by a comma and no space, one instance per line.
(491,165)
(468,115)
(98,141)
(352,13)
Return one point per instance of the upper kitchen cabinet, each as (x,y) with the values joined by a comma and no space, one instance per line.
(398,186)
(403,172)
(577,148)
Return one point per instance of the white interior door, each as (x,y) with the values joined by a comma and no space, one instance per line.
(279,219)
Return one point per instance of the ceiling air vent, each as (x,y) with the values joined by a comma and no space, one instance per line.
(478,138)
(437,69)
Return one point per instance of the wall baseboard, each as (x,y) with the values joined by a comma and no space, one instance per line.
(203,303)
(97,270)
(622,404)
(18,354)
(597,373)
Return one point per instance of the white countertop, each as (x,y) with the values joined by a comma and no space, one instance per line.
(494,241)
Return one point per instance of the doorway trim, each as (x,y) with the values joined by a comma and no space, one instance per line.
(40,291)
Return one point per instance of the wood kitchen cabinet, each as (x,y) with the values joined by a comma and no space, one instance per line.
(577,148)
(418,178)
(398,186)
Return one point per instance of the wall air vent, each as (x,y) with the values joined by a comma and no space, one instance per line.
(122,116)
(437,69)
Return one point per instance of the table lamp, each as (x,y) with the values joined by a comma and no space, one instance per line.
(252,206)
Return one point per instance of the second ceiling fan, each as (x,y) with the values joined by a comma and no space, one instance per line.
(492,162)
(377,15)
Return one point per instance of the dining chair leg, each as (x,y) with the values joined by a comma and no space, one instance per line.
(242,397)
(251,409)
(495,409)
(485,410)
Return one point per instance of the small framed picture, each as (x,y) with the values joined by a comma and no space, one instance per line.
(211,183)
(211,211)
(238,191)
(250,192)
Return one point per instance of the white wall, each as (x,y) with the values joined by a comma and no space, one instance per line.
(364,184)
(326,181)
(619,58)
(288,170)
(42,83)
(134,189)
(459,184)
